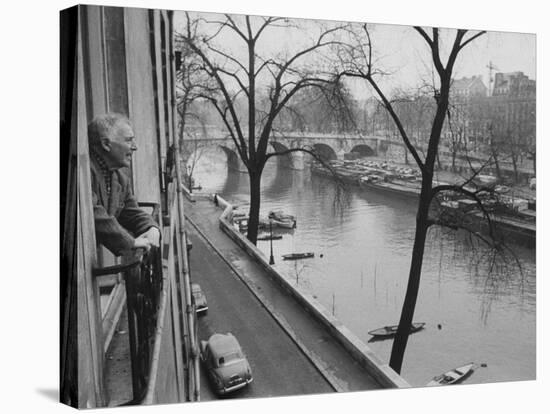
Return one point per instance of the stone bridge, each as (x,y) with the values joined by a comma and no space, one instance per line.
(328,146)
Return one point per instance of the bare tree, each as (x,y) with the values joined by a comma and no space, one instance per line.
(413,108)
(520,139)
(511,126)
(192,85)
(250,76)
(357,60)
(327,110)
(456,122)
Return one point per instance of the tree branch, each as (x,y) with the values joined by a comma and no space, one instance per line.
(473,195)
(231,58)
(311,152)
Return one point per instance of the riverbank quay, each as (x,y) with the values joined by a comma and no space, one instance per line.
(402,181)
(345,361)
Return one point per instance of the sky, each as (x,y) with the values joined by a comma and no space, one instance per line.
(404,53)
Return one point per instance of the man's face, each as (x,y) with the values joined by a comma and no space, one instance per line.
(121,146)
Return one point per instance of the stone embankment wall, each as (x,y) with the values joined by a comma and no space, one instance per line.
(357,348)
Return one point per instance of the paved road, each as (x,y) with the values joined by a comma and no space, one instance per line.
(336,365)
(278,366)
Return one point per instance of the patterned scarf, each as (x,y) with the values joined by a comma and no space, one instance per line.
(107,174)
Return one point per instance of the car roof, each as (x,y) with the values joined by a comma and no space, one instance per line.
(222,344)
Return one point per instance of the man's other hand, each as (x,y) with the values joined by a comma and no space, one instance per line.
(142,242)
(153,235)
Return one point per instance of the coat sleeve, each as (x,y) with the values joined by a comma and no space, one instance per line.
(109,232)
(132,217)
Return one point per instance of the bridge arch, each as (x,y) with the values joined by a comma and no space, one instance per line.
(364,150)
(284,160)
(234,161)
(326,152)
(193,153)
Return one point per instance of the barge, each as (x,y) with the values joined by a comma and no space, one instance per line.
(405,183)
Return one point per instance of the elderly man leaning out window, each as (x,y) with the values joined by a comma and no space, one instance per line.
(120,224)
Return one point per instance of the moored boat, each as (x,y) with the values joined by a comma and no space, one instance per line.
(281,219)
(268,237)
(285,224)
(453,376)
(296,256)
(389,331)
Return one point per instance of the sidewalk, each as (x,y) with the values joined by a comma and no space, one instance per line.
(333,361)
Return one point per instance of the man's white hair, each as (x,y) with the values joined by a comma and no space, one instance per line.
(104,126)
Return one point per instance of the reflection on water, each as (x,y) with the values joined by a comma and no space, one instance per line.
(471,313)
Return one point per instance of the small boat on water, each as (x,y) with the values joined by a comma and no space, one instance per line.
(389,331)
(268,237)
(279,215)
(296,256)
(281,219)
(453,376)
(285,224)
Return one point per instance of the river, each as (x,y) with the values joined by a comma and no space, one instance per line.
(472,314)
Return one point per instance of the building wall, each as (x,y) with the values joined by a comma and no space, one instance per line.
(141,104)
(116,67)
(91,391)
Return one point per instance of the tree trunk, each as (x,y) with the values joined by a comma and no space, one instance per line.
(497,167)
(453,166)
(254,212)
(409,304)
(515,165)
(494,153)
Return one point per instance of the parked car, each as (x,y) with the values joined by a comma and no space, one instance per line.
(485,180)
(226,365)
(201,305)
(502,189)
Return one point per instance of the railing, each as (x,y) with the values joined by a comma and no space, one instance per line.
(141,273)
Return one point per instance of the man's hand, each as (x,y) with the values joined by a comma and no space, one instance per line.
(142,242)
(153,236)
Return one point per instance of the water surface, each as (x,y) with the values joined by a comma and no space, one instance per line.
(365,240)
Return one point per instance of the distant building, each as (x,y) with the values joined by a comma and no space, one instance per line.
(507,114)
(514,106)
(460,132)
(468,87)
(514,84)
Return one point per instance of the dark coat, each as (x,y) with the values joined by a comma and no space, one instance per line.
(118,218)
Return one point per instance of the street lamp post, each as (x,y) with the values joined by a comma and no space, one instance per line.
(271,259)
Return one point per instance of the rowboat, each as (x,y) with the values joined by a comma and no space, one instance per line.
(268,237)
(296,256)
(281,219)
(284,223)
(280,215)
(453,376)
(388,331)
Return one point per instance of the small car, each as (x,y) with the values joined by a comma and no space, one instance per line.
(201,306)
(502,189)
(227,367)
